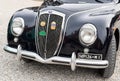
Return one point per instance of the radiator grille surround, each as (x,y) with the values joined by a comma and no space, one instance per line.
(49,33)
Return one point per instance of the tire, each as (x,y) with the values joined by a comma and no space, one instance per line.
(26,60)
(111,57)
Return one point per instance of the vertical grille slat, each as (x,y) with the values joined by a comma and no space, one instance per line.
(41,39)
(53,35)
(49,42)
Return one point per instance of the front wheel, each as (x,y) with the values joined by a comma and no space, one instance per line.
(111,57)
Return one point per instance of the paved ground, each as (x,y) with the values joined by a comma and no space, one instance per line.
(13,70)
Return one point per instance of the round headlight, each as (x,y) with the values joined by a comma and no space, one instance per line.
(88,34)
(17,26)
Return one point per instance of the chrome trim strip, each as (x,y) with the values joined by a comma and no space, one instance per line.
(36,33)
(98,64)
(45,49)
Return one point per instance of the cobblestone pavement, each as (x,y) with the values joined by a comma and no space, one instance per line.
(13,70)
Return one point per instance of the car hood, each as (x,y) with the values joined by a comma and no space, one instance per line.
(81,7)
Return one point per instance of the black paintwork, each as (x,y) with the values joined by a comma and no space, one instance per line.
(76,16)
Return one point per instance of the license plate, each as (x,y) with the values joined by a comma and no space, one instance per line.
(90,56)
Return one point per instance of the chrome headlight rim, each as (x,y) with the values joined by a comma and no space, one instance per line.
(21,20)
(91,26)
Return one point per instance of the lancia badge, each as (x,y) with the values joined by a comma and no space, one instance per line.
(42,23)
(53,25)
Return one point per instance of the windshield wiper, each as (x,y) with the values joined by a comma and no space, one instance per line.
(99,1)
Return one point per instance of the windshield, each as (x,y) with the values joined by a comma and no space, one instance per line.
(87,1)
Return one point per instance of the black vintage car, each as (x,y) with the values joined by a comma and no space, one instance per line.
(82,33)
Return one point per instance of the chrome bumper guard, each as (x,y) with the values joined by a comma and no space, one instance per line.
(73,61)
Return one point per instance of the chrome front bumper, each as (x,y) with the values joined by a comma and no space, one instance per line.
(73,61)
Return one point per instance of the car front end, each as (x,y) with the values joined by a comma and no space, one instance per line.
(63,35)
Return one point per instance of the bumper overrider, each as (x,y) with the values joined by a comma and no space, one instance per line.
(73,61)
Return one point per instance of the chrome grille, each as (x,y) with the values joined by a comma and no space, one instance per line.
(48,37)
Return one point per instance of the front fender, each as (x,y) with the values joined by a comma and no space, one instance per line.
(27,39)
(103,26)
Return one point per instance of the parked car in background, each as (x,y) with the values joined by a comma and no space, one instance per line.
(83,33)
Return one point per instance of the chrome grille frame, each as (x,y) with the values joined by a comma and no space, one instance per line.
(49,12)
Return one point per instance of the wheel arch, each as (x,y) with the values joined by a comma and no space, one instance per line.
(116,30)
